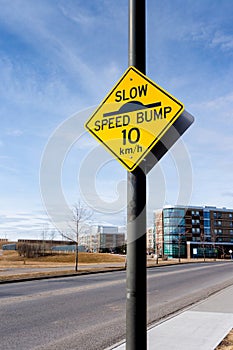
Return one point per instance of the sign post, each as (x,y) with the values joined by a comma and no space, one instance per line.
(136,299)
(230,251)
(138,121)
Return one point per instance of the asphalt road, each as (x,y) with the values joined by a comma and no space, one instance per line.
(88,312)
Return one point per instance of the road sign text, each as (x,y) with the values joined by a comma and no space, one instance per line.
(113,122)
(135,91)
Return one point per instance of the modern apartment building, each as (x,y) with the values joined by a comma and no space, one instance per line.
(205,231)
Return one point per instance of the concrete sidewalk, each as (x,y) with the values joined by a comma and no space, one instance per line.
(202,327)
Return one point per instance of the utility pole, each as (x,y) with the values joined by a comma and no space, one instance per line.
(136,305)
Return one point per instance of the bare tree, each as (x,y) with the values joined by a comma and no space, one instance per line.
(44,234)
(203,238)
(52,235)
(222,249)
(157,248)
(180,239)
(80,215)
(214,239)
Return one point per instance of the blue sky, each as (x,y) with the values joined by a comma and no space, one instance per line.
(60,58)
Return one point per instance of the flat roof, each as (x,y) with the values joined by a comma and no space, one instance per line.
(207,207)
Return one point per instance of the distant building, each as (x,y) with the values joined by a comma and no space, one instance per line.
(44,241)
(207,230)
(3,241)
(102,238)
(45,244)
(68,248)
(150,240)
(9,246)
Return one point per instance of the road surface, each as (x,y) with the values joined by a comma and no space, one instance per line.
(88,312)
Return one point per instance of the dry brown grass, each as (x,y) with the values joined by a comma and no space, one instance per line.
(227,343)
(84,258)
(12,258)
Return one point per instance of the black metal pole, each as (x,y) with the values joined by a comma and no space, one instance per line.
(137,34)
(136,314)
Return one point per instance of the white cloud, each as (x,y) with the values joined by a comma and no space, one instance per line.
(81,17)
(222,40)
(14,132)
(23,225)
(210,35)
(8,169)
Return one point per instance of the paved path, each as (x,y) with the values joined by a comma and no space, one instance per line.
(201,327)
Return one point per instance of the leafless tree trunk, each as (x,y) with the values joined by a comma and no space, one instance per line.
(44,236)
(213,239)
(202,237)
(76,219)
(52,235)
(80,215)
(157,253)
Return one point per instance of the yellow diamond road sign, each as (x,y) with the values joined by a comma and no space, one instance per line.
(133,117)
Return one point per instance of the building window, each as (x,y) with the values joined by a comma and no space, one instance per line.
(178,222)
(218,223)
(217,215)
(207,230)
(195,221)
(196,230)
(171,213)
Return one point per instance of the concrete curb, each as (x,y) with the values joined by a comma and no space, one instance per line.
(62,275)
